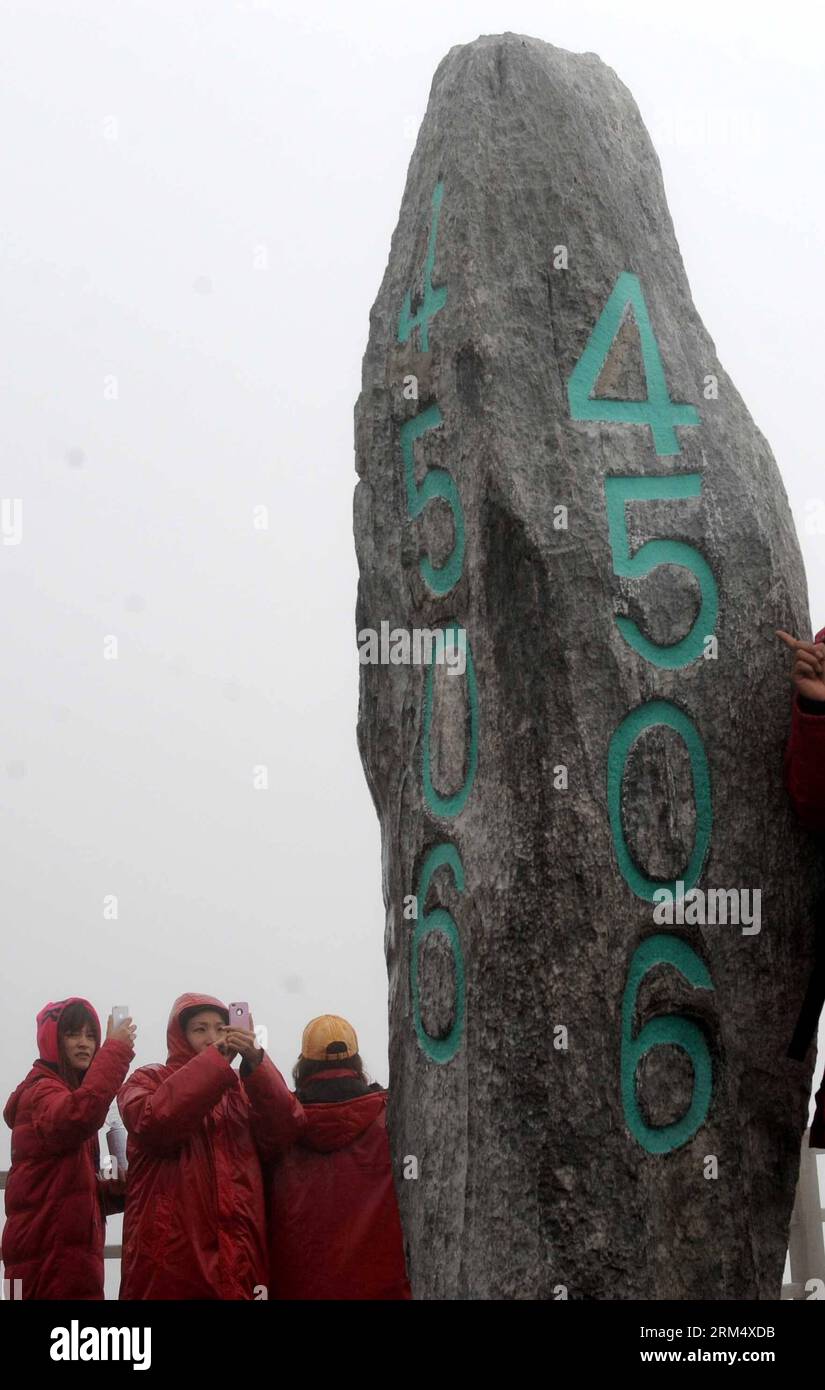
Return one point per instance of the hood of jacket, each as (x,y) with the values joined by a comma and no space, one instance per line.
(47,1022)
(179,1051)
(48,1061)
(335,1124)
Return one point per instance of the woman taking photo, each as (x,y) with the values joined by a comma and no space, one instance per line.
(55,1223)
(194,1225)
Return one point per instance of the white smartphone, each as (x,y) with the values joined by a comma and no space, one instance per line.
(239,1017)
(120,1012)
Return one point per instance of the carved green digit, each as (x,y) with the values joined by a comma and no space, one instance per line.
(437,483)
(658,411)
(644,717)
(674,1029)
(449,806)
(439,1049)
(434,299)
(619,490)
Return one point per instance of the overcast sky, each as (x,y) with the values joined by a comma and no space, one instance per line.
(198,205)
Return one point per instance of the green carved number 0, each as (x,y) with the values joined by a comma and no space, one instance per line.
(645,717)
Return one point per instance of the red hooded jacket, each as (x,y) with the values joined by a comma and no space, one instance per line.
(805,763)
(195,1220)
(55,1225)
(335,1232)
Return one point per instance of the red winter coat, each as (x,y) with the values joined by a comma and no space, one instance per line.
(334,1230)
(195,1218)
(55,1223)
(805,763)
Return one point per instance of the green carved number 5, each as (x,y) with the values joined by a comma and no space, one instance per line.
(619,491)
(437,483)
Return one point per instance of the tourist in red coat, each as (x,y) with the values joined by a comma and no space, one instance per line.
(55,1198)
(195,1222)
(805,779)
(335,1231)
(805,751)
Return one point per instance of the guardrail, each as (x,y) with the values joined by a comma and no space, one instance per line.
(806,1240)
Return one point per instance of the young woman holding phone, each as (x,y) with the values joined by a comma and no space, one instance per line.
(55,1198)
(194,1224)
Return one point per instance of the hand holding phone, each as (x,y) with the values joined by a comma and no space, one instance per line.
(239,1018)
(121,1026)
(240,1034)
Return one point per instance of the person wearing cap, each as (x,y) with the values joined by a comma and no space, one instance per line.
(805,783)
(195,1224)
(56,1201)
(334,1228)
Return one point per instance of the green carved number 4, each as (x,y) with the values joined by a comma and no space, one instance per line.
(433,298)
(658,411)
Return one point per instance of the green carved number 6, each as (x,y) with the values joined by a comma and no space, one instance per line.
(439,1049)
(673,1029)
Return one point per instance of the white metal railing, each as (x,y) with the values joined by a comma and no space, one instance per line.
(806,1243)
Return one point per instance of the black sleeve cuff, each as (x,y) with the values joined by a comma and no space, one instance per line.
(246,1069)
(811,706)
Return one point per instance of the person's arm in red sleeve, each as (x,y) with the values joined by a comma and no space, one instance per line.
(162,1113)
(804,763)
(65,1119)
(276,1115)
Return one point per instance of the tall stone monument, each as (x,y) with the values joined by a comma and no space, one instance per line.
(598,905)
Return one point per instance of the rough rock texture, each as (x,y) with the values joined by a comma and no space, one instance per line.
(582,1170)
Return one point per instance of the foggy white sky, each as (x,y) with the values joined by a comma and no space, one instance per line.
(289,128)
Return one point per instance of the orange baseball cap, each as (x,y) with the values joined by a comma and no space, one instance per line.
(328,1039)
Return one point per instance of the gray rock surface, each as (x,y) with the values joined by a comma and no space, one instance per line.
(560,1163)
